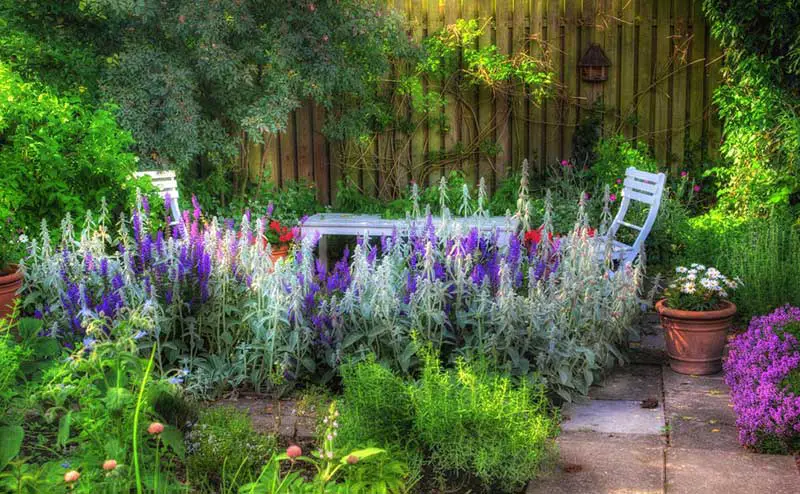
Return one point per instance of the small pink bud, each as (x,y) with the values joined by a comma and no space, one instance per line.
(619,181)
(71,476)
(182,19)
(612,197)
(684,173)
(293,451)
(325,38)
(352,459)
(312,7)
(697,188)
(155,428)
(109,465)
(564,163)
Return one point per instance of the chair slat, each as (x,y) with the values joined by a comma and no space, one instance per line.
(630,225)
(631,182)
(638,196)
(650,177)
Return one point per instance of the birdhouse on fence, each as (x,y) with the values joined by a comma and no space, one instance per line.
(594,64)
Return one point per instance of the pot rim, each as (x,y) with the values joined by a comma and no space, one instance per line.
(12,277)
(728,310)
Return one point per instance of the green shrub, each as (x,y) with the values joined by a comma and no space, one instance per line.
(763,252)
(616,154)
(59,156)
(473,421)
(467,420)
(376,406)
(225,450)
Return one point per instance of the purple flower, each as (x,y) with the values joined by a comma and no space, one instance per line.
(196,205)
(759,362)
(145,205)
(270,209)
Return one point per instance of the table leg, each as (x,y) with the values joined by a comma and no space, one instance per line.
(322,247)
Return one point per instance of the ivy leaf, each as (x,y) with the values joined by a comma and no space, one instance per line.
(173,438)
(10,443)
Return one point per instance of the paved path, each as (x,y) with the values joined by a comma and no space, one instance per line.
(685,444)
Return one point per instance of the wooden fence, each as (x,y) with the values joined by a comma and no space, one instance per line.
(664,68)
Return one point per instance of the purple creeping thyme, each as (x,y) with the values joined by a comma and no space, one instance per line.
(758,363)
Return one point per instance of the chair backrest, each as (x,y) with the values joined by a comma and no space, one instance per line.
(643,187)
(166,183)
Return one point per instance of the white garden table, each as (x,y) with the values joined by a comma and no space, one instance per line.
(372,225)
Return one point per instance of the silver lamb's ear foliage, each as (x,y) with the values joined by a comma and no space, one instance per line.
(605,216)
(523,194)
(547,223)
(483,199)
(582,221)
(415,211)
(443,194)
(464,209)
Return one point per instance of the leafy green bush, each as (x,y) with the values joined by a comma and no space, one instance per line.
(224,448)
(616,154)
(758,102)
(763,252)
(59,156)
(474,421)
(376,406)
(469,420)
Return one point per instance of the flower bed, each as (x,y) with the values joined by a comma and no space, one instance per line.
(219,306)
(763,372)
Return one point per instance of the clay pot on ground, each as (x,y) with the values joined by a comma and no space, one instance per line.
(279,252)
(696,339)
(10,283)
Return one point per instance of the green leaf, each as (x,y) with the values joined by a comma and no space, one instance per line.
(10,443)
(173,438)
(363,453)
(117,398)
(64,424)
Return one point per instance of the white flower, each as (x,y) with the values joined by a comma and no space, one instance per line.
(688,288)
(691,276)
(723,293)
(700,267)
(23,239)
(680,269)
(731,284)
(709,284)
(713,273)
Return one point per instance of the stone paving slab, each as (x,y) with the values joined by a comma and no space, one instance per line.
(632,382)
(601,463)
(613,417)
(699,412)
(287,418)
(697,471)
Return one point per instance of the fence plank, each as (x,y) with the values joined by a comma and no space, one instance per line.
(663,81)
(518,121)
(695,88)
(626,65)
(680,43)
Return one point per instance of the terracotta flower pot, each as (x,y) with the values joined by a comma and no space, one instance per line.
(279,252)
(696,339)
(10,283)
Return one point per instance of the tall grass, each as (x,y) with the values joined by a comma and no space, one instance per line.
(764,253)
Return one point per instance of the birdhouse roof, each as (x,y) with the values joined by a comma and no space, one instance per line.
(594,57)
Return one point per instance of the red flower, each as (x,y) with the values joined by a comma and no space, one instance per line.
(533,236)
(274,225)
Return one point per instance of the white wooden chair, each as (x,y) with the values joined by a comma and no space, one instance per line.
(166,183)
(642,187)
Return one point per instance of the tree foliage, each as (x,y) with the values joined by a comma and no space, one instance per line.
(191,77)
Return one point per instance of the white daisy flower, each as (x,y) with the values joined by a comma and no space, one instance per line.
(691,276)
(713,273)
(680,269)
(688,288)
